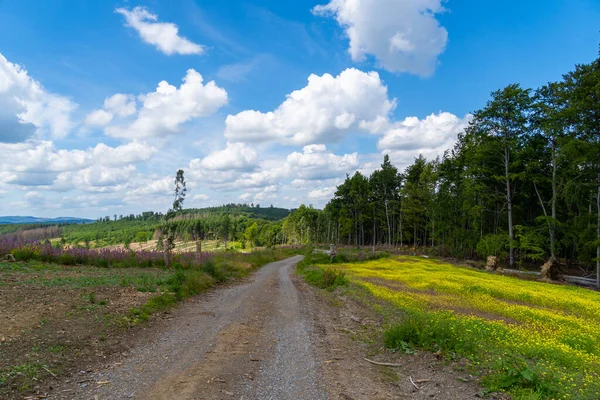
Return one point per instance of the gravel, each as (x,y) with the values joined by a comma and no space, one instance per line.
(250,340)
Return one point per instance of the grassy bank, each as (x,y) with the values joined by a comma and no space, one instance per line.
(531,339)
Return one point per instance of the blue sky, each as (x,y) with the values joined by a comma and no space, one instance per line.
(87,130)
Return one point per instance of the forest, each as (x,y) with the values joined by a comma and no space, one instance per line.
(522,183)
(231,222)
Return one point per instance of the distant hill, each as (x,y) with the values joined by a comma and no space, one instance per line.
(9,220)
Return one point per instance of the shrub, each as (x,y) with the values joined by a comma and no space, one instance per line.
(66,259)
(333,278)
(24,253)
(210,268)
(324,277)
(196,282)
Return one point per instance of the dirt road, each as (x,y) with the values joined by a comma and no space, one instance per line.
(245,341)
(268,337)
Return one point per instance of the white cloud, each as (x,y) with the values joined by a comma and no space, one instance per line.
(163,35)
(99,118)
(236,156)
(97,178)
(120,104)
(164,110)
(430,136)
(27,109)
(325,193)
(155,187)
(42,164)
(413,134)
(201,197)
(322,111)
(315,163)
(263,178)
(403,35)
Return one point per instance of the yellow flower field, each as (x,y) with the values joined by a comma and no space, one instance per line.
(534,340)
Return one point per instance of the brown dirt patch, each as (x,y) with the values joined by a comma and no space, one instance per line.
(49,332)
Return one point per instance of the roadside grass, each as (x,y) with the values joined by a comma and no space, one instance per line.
(530,339)
(314,270)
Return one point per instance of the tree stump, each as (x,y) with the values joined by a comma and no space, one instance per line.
(551,270)
(492,263)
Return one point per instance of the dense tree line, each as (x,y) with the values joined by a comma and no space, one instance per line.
(251,224)
(522,183)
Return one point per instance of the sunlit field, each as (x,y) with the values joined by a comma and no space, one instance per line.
(531,339)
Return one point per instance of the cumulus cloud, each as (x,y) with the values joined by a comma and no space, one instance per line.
(403,35)
(413,134)
(322,111)
(97,178)
(325,193)
(316,163)
(430,136)
(163,35)
(98,118)
(235,156)
(26,108)
(120,104)
(164,110)
(41,164)
(162,186)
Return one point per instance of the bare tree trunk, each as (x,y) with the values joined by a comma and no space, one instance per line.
(433,233)
(415,236)
(387,217)
(553,230)
(511,235)
(374,231)
(598,236)
(400,224)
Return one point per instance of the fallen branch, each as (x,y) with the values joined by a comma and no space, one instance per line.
(384,364)
(48,371)
(413,382)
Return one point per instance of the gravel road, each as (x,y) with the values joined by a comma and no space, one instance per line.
(269,336)
(244,341)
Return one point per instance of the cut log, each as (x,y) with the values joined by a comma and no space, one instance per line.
(551,269)
(492,263)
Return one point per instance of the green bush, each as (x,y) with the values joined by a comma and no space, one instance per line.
(66,259)
(333,278)
(324,277)
(24,254)
(196,282)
